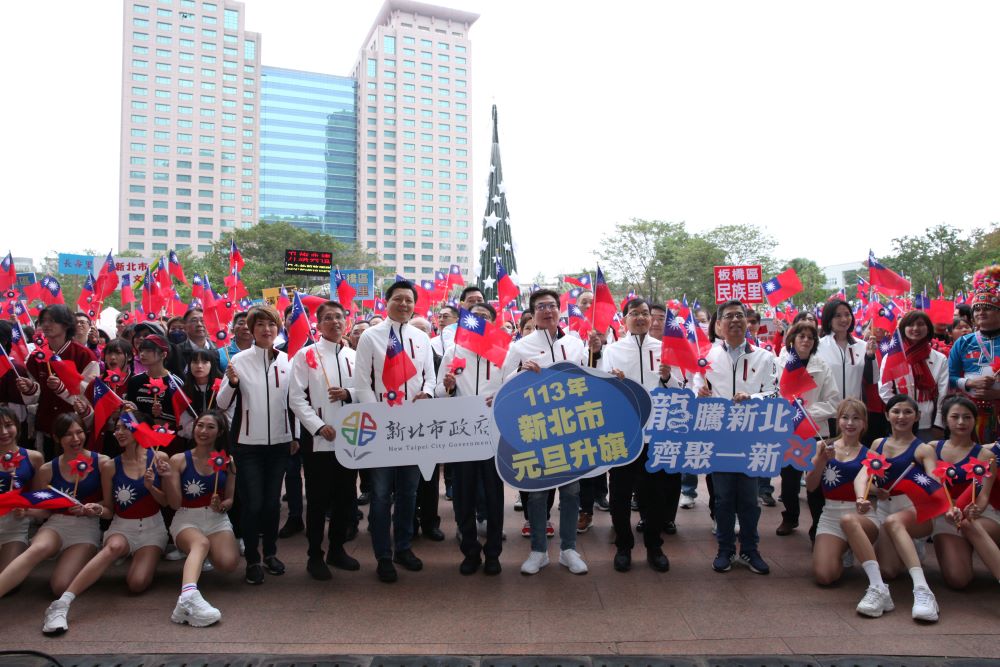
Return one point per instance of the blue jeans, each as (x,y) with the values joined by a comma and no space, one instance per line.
(401,481)
(689,485)
(736,495)
(261,469)
(569,512)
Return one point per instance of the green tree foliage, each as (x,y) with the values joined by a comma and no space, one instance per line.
(745,244)
(812,278)
(940,251)
(629,256)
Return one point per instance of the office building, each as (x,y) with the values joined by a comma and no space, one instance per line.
(189,129)
(309,151)
(414,147)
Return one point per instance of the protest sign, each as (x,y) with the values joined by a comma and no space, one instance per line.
(702,435)
(739,282)
(565,423)
(420,433)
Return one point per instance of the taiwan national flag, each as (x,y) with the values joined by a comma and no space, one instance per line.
(782,287)
(928,496)
(176,270)
(894,365)
(6,363)
(602,312)
(18,344)
(425,295)
(697,337)
(198,287)
(397,369)
(8,273)
(578,322)
(795,379)
(455,278)
(478,335)
(145,435)
(283,300)
(128,296)
(87,294)
(345,292)
(235,257)
(42,499)
(106,403)
(179,401)
(441,286)
(583,281)
(941,311)
(107,279)
(298,327)
(507,290)
(51,292)
(569,298)
(67,373)
(885,280)
(804,427)
(675,350)
(885,317)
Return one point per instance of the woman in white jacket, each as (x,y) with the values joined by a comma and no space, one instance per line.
(926,381)
(820,404)
(849,358)
(257,388)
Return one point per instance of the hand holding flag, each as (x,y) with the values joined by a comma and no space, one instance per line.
(976,470)
(876,464)
(219,462)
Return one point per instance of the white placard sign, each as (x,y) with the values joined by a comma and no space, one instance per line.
(422,433)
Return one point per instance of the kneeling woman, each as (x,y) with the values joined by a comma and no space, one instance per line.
(132,496)
(74,535)
(953,543)
(834,471)
(202,496)
(19,466)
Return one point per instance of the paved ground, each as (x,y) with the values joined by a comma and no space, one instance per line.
(689,611)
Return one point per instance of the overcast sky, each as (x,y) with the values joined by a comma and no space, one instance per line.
(835,126)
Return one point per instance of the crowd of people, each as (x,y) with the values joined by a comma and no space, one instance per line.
(239,425)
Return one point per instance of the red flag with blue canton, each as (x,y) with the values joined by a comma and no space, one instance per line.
(106,403)
(891,350)
(804,427)
(107,278)
(441,286)
(176,270)
(397,369)
(87,294)
(885,316)
(478,335)
(577,322)
(455,278)
(699,339)
(8,273)
(6,364)
(163,275)
(583,281)
(235,256)
(782,287)
(51,291)
(569,298)
(283,300)
(197,287)
(928,496)
(345,292)
(42,499)
(507,291)
(127,296)
(675,350)
(795,379)
(18,344)
(602,311)
(298,327)
(885,280)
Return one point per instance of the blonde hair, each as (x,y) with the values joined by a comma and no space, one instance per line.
(849,404)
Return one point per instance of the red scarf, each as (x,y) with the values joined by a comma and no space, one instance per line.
(925,388)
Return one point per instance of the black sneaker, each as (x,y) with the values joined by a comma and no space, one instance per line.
(623,560)
(723,561)
(364,498)
(255,574)
(756,564)
(470,564)
(602,504)
(291,527)
(409,560)
(340,560)
(386,571)
(318,570)
(657,560)
(670,528)
(492,567)
(274,566)
(767,500)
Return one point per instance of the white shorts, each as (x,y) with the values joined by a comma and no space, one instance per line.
(991,513)
(205,519)
(884,508)
(944,527)
(833,510)
(13,529)
(75,529)
(148,532)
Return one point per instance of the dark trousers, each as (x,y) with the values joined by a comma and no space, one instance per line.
(654,491)
(293,485)
(791,480)
(261,469)
(470,478)
(428,492)
(591,489)
(329,488)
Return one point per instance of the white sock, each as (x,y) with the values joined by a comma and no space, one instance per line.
(67,597)
(187,590)
(874,575)
(917,574)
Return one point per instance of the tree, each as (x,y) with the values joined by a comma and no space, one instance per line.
(689,268)
(940,251)
(631,256)
(812,279)
(744,244)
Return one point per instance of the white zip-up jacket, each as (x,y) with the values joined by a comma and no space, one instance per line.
(545,350)
(821,403)
(481,376)
(847,365)
(260,399)
(307,396)
(640,361)
(929,410)
(755,372)
(370,358)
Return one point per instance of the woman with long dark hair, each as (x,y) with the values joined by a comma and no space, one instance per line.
(926,379)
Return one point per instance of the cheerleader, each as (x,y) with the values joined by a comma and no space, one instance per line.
(72,535)
(897,516)
(955,539)
(201,528)
(132,499)
(986,510)
(19,466)
(834,469)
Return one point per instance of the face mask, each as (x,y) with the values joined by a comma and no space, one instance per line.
(177,337)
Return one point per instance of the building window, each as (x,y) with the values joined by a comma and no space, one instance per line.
(388,45)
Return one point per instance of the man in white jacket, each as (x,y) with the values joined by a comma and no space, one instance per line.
(322,375)
(546,346)
(400,481)
(740,372)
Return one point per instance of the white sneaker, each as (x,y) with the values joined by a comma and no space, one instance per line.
(55,618)
(173,553)
(847,560)
(875,602)
(195,611)
(571,559)
(925,607)
(687,502)
(535,562)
